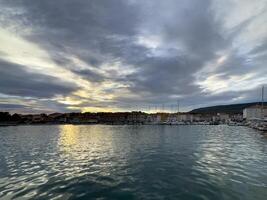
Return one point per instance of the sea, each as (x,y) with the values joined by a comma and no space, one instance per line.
(192,162)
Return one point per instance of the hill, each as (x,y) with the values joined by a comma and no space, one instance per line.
(229,109)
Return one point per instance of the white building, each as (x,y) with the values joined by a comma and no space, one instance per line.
(223,117)
(185,117)
(254,112)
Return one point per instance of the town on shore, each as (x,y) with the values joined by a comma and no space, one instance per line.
(254,115)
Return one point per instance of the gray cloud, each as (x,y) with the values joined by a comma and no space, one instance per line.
(10,106)
(14,80)
(89,75)
(186,35)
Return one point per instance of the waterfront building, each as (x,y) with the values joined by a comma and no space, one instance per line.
(172,118)
(197,117)
(153,118)
(184,117)
(254,112)
(223,117)
(236,117)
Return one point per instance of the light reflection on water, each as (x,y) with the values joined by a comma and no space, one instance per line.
(132,162)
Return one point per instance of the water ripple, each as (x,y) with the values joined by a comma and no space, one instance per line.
(132,162)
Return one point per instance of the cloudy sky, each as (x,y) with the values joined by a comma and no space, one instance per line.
(117,55)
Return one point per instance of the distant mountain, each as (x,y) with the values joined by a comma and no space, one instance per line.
(229,109)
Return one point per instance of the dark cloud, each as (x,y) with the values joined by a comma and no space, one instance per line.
(186,35)
(86,29)
(89,75)
(164,76)
(14,80)
(10,106)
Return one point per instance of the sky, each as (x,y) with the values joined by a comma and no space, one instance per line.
(123,55)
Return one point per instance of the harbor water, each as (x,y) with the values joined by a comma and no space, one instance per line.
(132,162)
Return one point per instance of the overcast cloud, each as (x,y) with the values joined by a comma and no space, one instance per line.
(115,55)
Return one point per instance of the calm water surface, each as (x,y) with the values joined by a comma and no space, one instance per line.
(132,162)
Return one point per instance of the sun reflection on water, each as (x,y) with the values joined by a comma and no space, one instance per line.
(68,135)
(86,146)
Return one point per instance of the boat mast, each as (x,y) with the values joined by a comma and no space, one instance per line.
(262,102)
(178,110)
